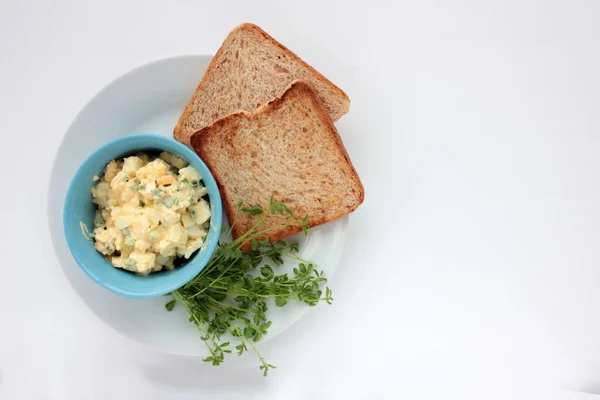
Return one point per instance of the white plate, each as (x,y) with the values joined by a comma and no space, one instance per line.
(150,99)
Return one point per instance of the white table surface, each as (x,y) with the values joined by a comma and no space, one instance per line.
(472,268)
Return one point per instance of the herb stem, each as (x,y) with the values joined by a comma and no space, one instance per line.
(228,297)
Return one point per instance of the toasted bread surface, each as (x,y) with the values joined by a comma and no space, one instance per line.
(288,148)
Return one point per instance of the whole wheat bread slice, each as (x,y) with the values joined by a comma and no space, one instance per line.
(250,69)
(287,148)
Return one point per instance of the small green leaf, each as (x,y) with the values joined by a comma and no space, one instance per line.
(237,253)
(218,295)
(281,301)
(240,348)
(287,210)
(254,210)
(278,208)
(170,305)
(248,282)
(249,332)
(304,224)
(328,295)
(266,271)
(254,244)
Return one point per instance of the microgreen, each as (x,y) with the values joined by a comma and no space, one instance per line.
(231,295)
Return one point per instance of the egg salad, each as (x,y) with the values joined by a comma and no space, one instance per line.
(150,212)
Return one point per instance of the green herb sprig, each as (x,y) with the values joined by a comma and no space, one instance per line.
(230,295)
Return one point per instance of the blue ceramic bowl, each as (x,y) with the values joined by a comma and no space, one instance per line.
(79,208)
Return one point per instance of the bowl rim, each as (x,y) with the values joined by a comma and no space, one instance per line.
(189,156)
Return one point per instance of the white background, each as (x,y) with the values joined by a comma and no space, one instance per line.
(472,268)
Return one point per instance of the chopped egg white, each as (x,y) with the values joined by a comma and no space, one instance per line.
(150,212)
